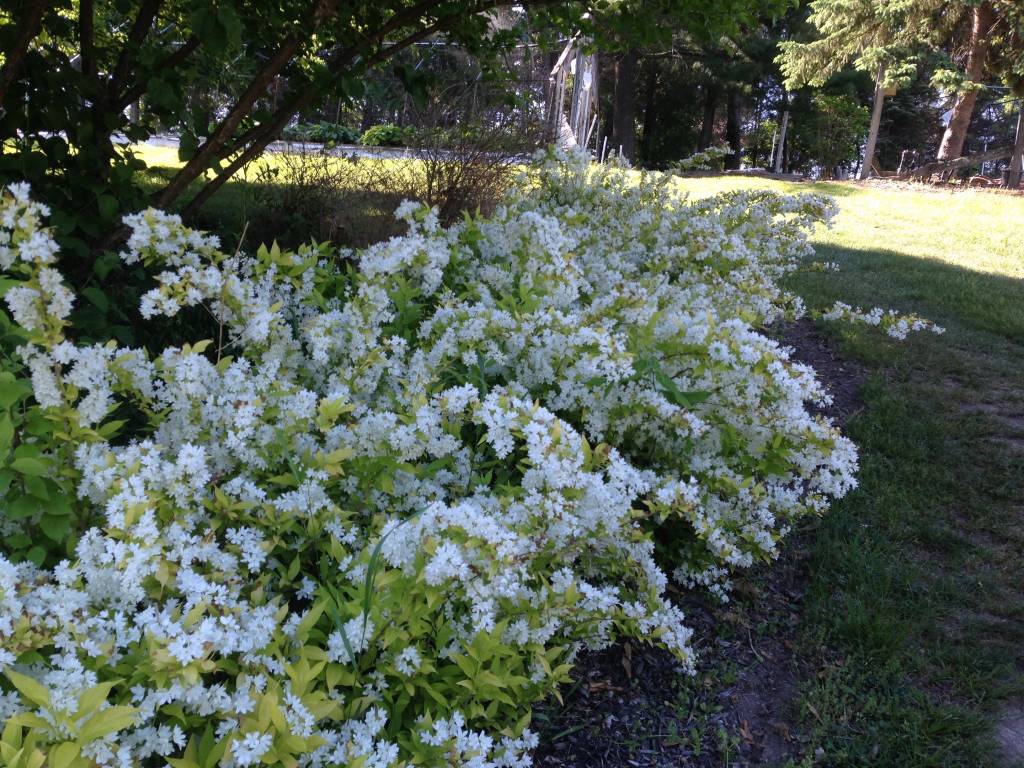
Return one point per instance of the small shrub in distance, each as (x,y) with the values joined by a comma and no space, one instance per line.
(323,132)
(385,136)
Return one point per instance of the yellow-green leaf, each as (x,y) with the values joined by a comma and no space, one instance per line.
(30,688)
(64,754)
(107,721)
(89,701)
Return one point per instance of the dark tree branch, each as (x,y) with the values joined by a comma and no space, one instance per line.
(30,25)
(270,131)
(87,39)
(140,28)
(172,61)
(939,166)
(322,11)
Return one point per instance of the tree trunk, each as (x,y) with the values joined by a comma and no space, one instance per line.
(649,114)
(947,167)
(624,111)
(1017,158)
(733,129)
(321,11)
(755,139)
(876,119)
(707,127)
(254,140)
(978,45)
(782,139)
(29,25)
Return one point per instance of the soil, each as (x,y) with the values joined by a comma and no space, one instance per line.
(940,187)
(629,705)
(1010,735)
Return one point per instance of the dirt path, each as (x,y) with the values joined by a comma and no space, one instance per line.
(630,706)
(990,397)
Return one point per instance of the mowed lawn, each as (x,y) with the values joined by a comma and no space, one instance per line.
(912,628)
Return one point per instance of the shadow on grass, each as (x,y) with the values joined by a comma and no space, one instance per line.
(917,587)
(954,296)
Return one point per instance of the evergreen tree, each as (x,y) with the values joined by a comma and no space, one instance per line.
(886,37)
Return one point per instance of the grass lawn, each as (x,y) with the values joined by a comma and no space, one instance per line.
(914,617)
(244,205)
(913,622)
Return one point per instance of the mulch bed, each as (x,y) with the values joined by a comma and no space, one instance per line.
(938,187)
(629,705)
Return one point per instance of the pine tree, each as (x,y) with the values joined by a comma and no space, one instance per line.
(877,36)
(978,39)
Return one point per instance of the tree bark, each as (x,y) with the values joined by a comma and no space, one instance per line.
(140,29)
(86,39)
(784,125)
(649,113)
(936,166)
(876,119)
(733,128)
(978,46)
(624,112)
(29,26)
(707,127)
(1017,158)
(256,139)
(322,11)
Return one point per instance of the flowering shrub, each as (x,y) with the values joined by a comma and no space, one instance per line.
(377,518)
(704,160)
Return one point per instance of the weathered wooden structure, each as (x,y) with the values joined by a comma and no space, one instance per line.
(573,124)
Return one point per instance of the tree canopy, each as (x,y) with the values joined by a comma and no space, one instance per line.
(967,44)
(74,68)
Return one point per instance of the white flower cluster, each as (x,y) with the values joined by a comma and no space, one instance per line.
(701,161)
(382,520)
(896,325)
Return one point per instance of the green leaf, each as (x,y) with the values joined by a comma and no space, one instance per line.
(55,527)
(36,486)
(231,24)
(107,721)
(29,687)
(90,700)
(105,263)
(29,720)
(6,478)
(96,297)
(22,507)
(108,206)
(63,755)
(187,146)
(110,428)
(13,391)
(60,504)
(18,541)
(208,28)
(27,465)
(6,435)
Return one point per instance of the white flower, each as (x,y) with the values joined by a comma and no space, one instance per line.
(251,747)
(408,661)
